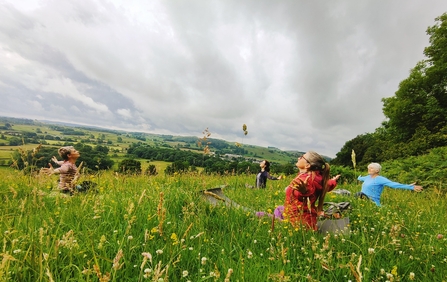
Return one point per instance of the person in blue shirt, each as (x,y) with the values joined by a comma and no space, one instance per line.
(373,184)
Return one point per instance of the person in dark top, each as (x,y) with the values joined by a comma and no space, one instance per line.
(263,175)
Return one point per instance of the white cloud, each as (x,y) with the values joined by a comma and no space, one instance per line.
(125,113)
(301,74)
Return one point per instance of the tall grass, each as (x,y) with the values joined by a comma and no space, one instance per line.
(160,228)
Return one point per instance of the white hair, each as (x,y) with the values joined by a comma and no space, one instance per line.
(375,166)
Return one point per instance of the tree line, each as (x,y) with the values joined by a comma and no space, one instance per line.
(416,116)
(93,158)
(185,160)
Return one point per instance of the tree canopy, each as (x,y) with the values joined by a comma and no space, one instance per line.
(417,113)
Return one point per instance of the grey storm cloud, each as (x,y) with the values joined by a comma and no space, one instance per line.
(303,75)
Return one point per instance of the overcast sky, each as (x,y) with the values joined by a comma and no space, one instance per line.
(302,75)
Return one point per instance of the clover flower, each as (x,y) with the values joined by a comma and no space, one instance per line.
(203,261)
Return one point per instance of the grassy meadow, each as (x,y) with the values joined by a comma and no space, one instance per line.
(161,228)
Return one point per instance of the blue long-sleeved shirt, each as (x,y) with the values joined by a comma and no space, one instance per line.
(373,187)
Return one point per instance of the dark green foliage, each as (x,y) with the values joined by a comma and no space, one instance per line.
(95,158)
(30,161)
(129,166)
(15,141)
(177,166)
(416,114)
(287,169)
(151,170)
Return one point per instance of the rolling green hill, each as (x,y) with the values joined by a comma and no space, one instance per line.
(26,133)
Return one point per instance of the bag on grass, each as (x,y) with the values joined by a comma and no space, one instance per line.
(334,221)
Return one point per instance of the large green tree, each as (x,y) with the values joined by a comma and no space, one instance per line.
(420,103)
(416,114)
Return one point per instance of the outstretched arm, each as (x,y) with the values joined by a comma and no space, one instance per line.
(386,182)
(333,182)
(54,159)
(269,176)
(50,170)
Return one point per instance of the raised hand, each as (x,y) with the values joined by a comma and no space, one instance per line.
(301,185)
(47,170)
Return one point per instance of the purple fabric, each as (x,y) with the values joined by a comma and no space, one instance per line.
(279,212)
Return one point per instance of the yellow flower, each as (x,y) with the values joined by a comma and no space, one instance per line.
(174,239)
(394,270)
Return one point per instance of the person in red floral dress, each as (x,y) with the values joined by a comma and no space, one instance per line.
(309,187)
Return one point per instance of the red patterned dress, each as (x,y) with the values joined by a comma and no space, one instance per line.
(299,208)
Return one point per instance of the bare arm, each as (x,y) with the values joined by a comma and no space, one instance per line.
(50,170)
(54,159)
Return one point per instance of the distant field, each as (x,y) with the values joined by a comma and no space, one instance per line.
(7,151)
(159,165)
(118,142)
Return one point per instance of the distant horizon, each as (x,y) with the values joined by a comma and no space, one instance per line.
(125,131)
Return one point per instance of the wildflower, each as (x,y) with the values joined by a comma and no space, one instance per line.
(17,251)
(159,252)
(191,248)
(411,276)
(147,272)
(174,239)
(440,236)
(185,273)
(130,237)
(249,254)
(147,255)
(204,260)
(394,270)
(371,250)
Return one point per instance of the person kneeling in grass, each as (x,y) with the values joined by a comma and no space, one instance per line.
(373,184)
